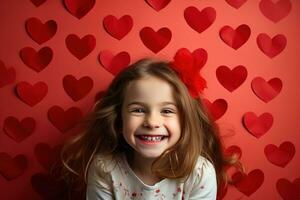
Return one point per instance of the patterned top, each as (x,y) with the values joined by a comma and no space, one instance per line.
(120,182)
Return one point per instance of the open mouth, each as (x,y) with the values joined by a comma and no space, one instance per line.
(151,138)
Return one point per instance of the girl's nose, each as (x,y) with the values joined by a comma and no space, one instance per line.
(152,121)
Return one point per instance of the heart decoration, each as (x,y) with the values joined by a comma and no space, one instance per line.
(7,75)
(266,91)
(235,38)
(275,10)
(18,131)
(118,28)
(282,155)
(288,190)
(271,47)
(77,89)
(234,150)
(257,126)
(79,8)
(231,79)
(199,20)
(216,109)
(236,3)
(46,155)
(80,48)
(40,32)
(158,4)
(64,120)
(36,60)
(37,3)
(31,94)
(12,168)
(114,63)
(155,41)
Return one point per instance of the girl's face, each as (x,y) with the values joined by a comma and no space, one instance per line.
(151,122)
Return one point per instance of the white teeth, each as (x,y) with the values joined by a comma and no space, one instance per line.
(151,138)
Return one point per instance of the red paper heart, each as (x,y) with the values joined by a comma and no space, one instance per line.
(46,155)
(114,64)
(158,4)
(248,184)
(235,38)
(155,41)
(288,190)
(231,79)
(64,120)
(37,3)
(257,126)
(275,10)
(271,47)
(266,91)
(118,28)
(77,89)
(79,8)
(236,3)
(80,48)
(36,60)
(12,168)
(18,131)
(31,95)
(199,20)
(234,150)
(280,156)
(7,75)
(216,109)
(40,32)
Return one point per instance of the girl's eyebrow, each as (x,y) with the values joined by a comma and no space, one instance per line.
(144,104)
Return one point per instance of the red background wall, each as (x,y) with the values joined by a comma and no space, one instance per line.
(273,171)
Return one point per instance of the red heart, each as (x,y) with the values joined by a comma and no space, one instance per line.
(236,3)
(288,190)
(64,120)
(37,3)
(114,64)
(31,95)
(199,20)
(158,4)
(118,28)
(36,60)
(257,126)
(231,79)
(266,91)
(280,156)
(46,155)
(40,32)
(216,109)
(155,41)
(271,47)
(18,131)
(7,75)
(275,11)
(80,48)
(77,89)
(12,168)
(234,150)
(235,38)
(79,8)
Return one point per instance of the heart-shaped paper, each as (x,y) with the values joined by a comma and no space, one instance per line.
(234,150)
(271,47)
(288,190)
(155,41)
(40,32)
(12,168)
(36,60)
(231,79)
(216,109)
(266,91)
(80,48)
(37,3)
(236,3)
(79,8)
(77,89)
(281,155)
(7,75)
(235,38)
(114,63)
(118,28)
(275,10)
(64,120)
(46,155)
(199,20)
(158,4)
(257,126)
(31,94)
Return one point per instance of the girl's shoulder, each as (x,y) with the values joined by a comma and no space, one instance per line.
(102,163)
(203,170)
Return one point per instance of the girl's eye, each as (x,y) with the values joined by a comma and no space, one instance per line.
(138,110)
(167,111)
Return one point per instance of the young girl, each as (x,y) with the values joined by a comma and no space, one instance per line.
(148,138)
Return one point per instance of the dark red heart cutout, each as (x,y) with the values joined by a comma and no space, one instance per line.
(31,94)
(266,91)
(199,20)
(288,190)
(80,48)
(257,126)
(36,60)
(155,41)
(114,64)
(79,8)
(235,38)
(12,168)
(77,89)
(46,155)
(64,120)
(234,150)
(37,3)
(7,75)
(231,79)
(216,109)
(236,3)
(40,32)
(158,4)
(271,47)
(118,28)
(275,10)
(281,155)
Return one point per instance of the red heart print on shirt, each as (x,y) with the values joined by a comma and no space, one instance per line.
(31,94)
(7,75)
(46,155)
(118,28)
(158,4)
(77,89)
(114,63)
(288,190)
(236,3)
(257,126)
(275,10)
(281,155)
(271,47)
(216,109)
(12,168)
(80,48)
(79,8)
(264,90)
(37,3)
